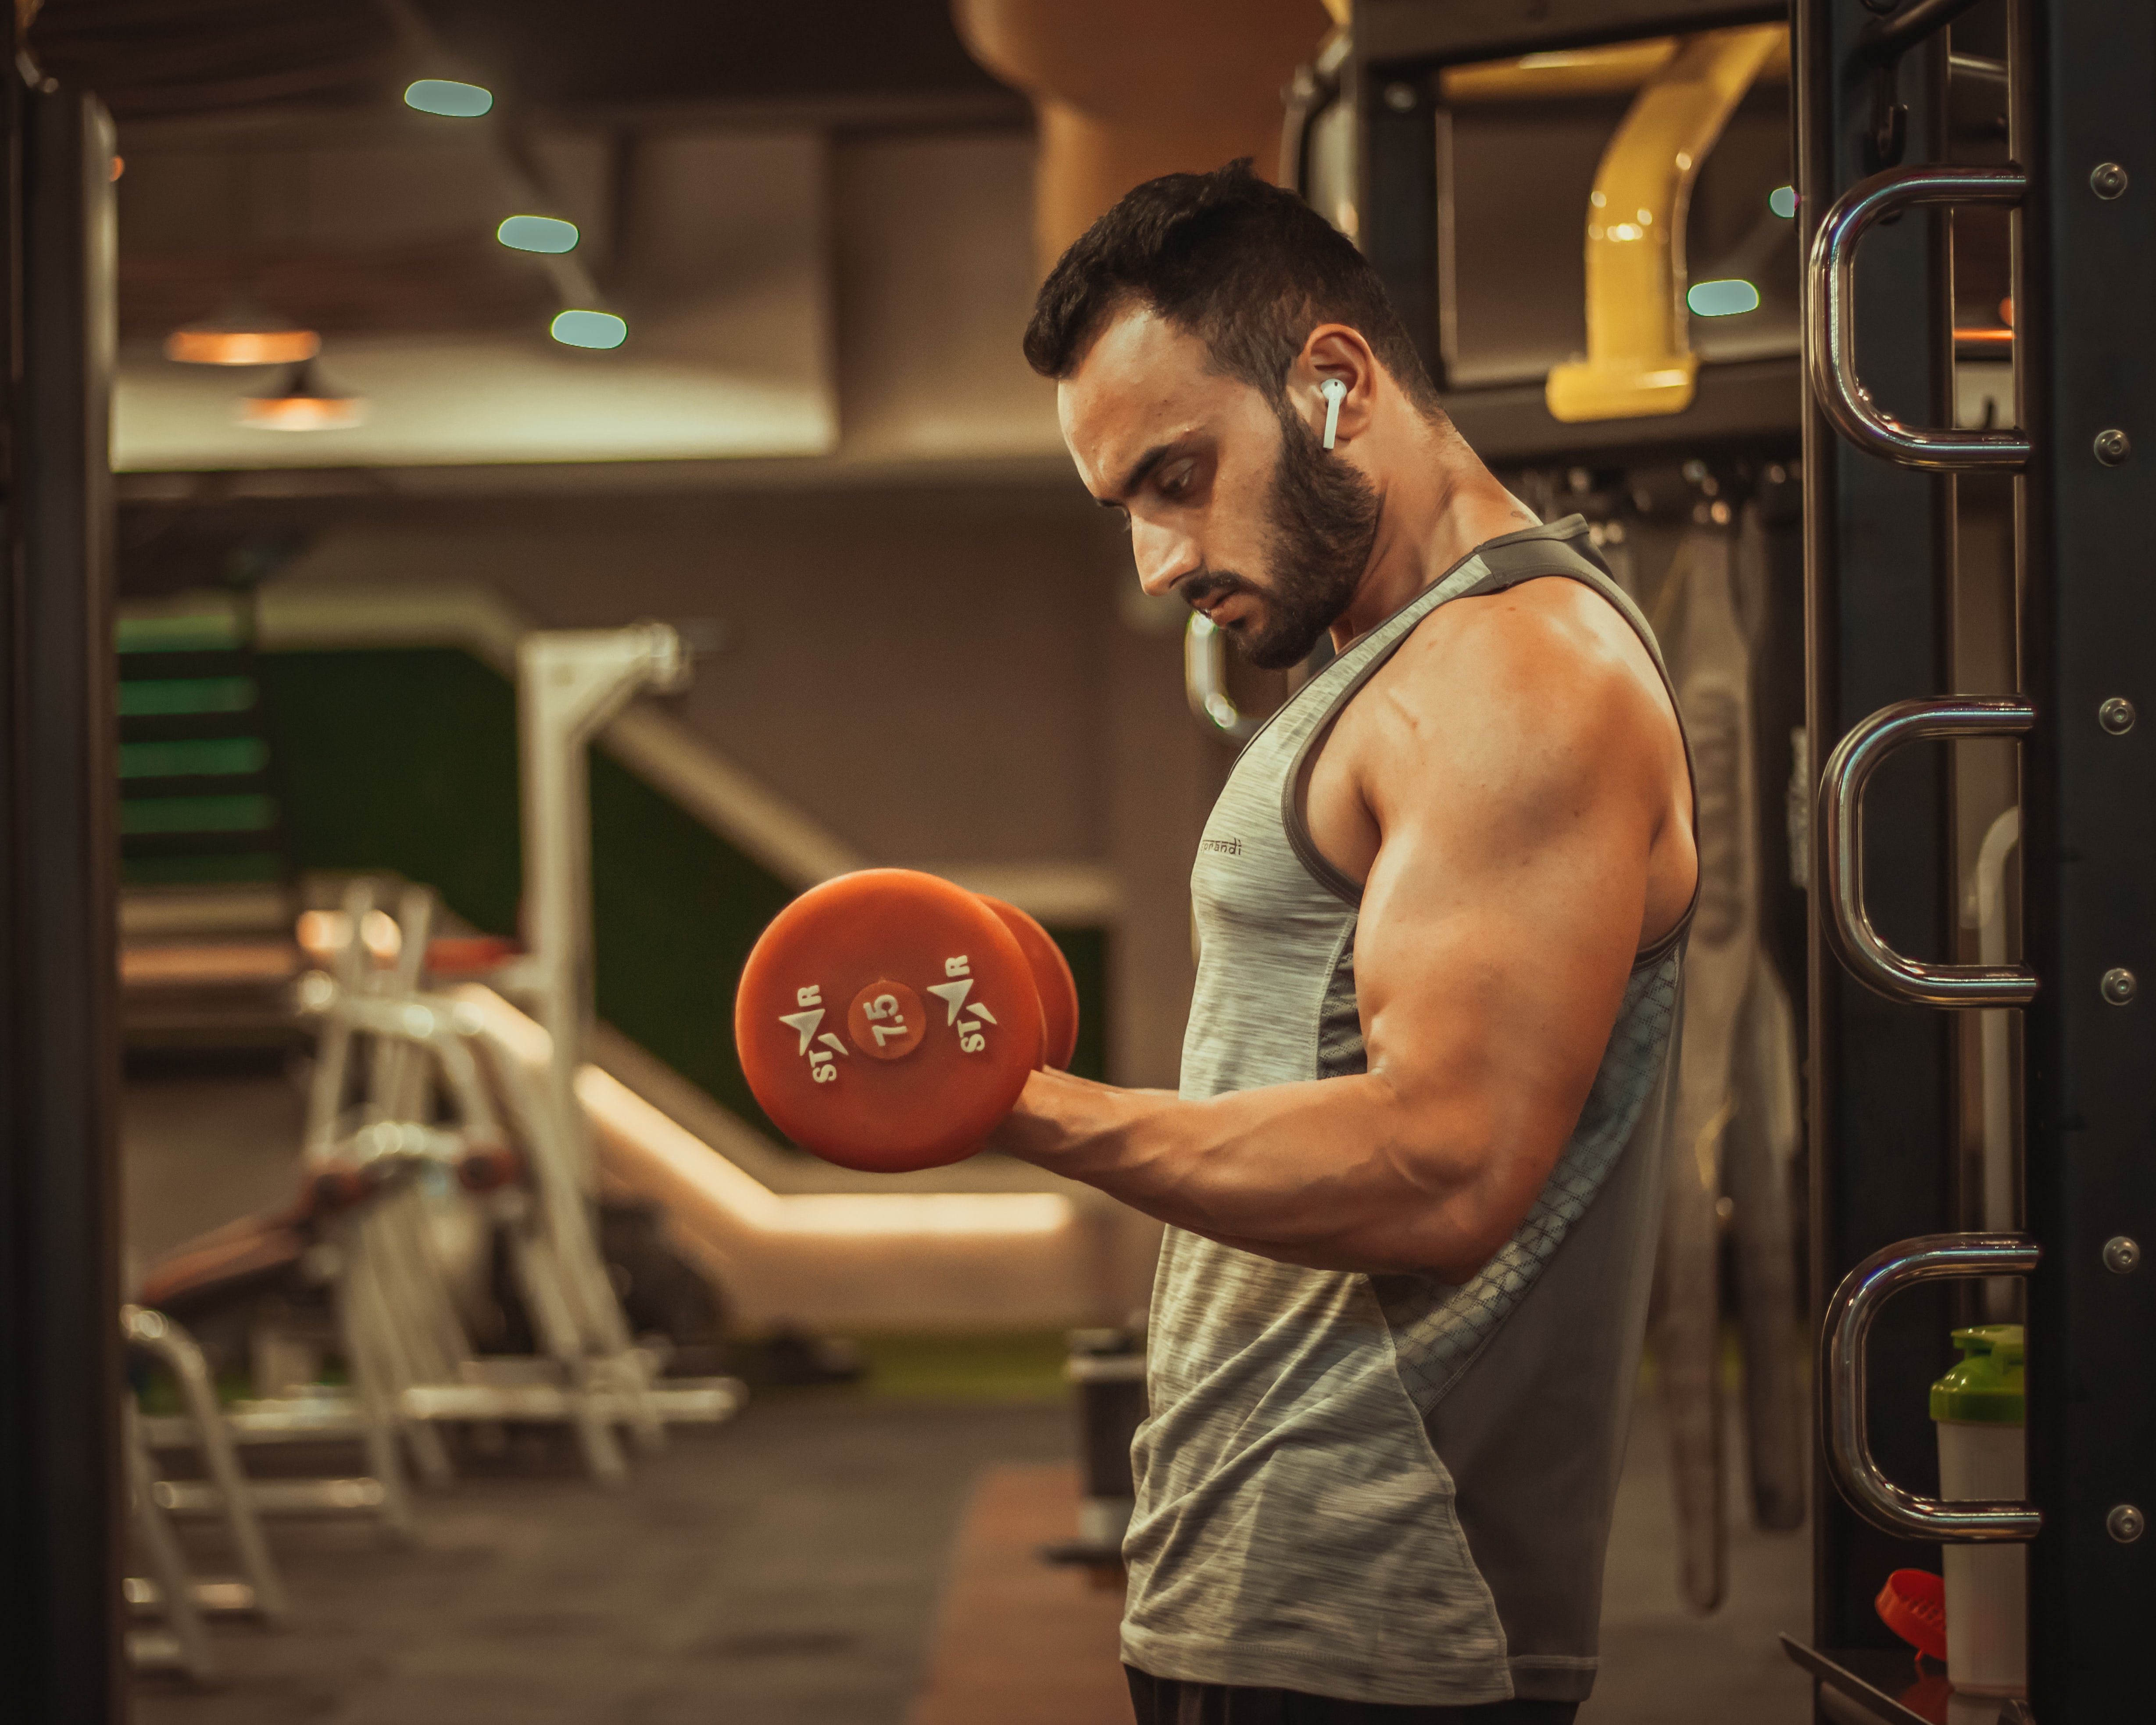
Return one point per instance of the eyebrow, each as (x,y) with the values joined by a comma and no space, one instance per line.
(1141,470)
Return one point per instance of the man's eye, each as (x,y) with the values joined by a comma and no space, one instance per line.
(1175,483)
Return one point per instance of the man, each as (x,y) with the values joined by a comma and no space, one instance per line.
(1412,1177)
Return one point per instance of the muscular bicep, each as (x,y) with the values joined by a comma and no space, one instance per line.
(1499,925)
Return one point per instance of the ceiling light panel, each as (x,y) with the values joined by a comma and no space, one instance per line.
(588,329)
(538,233)
(449,98)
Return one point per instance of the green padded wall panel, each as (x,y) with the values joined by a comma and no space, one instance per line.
(674,910)
(401,760)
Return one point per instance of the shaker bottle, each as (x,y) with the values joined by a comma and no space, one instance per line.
(1979,1409)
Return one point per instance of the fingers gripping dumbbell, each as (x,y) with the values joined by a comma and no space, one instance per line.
(887,1019)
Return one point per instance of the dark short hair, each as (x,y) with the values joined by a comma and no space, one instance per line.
(1248,268)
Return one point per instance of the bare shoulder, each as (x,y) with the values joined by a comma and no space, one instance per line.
(1542,691)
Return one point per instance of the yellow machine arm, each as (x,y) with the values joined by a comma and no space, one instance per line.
(1639,356)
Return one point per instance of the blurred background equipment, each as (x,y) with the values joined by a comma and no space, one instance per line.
(569,685)
(171,1590)
(398,1305)
(1107,1373)
(1709,662)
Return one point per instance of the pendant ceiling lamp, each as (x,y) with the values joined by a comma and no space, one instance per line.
(300,401)
(243,336)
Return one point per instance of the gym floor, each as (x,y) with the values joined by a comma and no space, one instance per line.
(856,1555)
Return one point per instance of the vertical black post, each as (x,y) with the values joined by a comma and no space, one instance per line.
(1877,552)
(1400,218)
(2086,129)
(61,1514)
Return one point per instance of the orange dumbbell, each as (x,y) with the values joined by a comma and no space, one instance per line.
(887,1019)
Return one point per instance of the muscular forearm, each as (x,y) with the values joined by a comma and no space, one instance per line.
(1341,1174)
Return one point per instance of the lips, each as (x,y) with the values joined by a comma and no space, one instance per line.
(1222,598)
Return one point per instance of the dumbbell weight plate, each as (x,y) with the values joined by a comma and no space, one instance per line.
(886,1020)
(1051,979)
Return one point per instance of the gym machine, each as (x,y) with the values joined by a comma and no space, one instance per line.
(512,1152)
(1887,477)
(384,1174)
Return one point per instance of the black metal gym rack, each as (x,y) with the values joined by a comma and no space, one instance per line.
(1881,467)
(61,1516)
(1885,161)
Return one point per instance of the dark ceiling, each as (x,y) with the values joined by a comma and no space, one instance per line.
(152,60)
(618,66)
(173,59)
(566,53)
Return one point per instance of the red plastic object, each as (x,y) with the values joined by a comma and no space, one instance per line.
(334,1186)
(1913,1604)
(841,1061)
(1051,978)
(469,955)
(489,1167)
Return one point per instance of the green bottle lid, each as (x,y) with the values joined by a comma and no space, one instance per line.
(1986,1388)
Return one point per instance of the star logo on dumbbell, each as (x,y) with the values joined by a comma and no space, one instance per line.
(822,1066)
(972,1039)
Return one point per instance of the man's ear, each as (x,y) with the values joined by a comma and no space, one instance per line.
(1332,383)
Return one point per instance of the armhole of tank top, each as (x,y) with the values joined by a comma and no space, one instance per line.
(1585,571)
(1591,575)
(1294,819)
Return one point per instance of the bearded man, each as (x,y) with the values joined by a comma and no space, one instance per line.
(1412,1176)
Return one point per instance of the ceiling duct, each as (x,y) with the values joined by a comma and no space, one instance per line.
(1129,89)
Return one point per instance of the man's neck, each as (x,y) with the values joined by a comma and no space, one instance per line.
(1433,511)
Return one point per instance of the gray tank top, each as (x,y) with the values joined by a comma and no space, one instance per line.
(1386,1488)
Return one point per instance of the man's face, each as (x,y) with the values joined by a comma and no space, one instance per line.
(1234,506)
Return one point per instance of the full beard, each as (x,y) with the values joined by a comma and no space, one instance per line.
(1322,520)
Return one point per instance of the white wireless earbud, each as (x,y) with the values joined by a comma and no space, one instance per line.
(1334,392)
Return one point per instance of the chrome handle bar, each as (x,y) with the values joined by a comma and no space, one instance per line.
(1839,823)
(1205,681)
(1830,319)
(1886,1505)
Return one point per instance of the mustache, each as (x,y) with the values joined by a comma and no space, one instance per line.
(1197,591)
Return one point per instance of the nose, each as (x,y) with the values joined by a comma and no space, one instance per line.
(1163,556)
